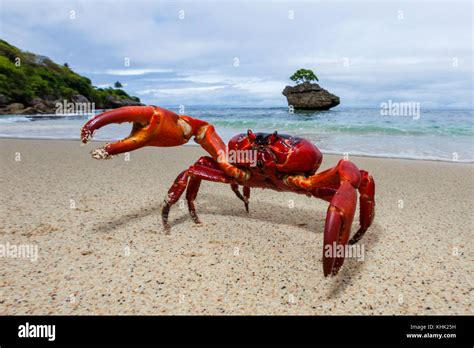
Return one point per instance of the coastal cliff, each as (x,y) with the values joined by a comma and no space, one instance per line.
(33,84)
(310,96)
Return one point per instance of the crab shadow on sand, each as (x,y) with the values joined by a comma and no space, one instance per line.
(313,217)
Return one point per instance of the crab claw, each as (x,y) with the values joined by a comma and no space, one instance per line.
(367,205)
(152,126)
(338,227)
(141,116)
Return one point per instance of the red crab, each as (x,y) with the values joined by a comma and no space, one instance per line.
(275,161)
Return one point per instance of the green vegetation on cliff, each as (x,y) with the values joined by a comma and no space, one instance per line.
(25,76)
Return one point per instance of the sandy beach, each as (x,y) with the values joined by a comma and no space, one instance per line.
(101,248)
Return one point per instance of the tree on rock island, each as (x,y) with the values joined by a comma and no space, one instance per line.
(303,75)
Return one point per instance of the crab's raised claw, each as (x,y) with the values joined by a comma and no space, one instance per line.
(143,118)
(137,114)
(152,126)
(338,227)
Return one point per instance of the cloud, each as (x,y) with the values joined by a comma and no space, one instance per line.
(362,55)
(179,91)
(261,87)
(133,72)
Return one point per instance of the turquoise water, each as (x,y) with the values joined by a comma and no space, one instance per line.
(433,134)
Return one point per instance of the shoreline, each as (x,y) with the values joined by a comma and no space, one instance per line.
(283,106)
(191,143)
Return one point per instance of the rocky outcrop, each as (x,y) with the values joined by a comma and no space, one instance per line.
(61,89)
(32,109)
(50,105)
(310,96)
(14,108)
(118,103)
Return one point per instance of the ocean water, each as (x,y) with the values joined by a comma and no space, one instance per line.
(446,135)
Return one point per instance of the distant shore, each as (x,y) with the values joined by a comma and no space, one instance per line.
(101,248)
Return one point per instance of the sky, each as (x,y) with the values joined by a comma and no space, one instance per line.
(242,53)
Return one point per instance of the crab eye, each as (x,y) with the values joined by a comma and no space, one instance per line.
(251,135)
(273,138)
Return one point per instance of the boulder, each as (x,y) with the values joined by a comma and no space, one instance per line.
(38,106)
(36,101)
(14,108)
(42,108)
(113,102)
(310,96)
(30,110)
(79,98)
(3,100)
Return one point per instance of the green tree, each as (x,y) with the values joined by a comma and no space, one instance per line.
(40,77)
(118,85)
(304,75)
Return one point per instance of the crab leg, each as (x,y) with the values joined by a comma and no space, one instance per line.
(246,191)
(191,194)
(213,144)
(245,197)
(174,193)
(204,169)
